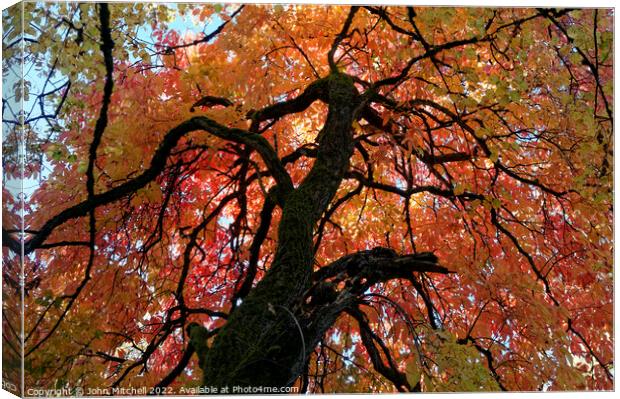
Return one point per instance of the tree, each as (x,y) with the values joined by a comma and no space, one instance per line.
(334,198)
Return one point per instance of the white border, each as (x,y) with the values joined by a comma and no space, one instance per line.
(494,3)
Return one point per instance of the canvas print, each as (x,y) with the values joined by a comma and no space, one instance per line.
(219,198)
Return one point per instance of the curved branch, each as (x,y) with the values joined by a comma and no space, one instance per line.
(406,193)
(259,237)
(107,45)
(340,38)
(316,90)
(481,142)
(158,163)
(382,14)
(380,265)
(488,355)
(432,50)
(207,38)
(389,371)
(177,370)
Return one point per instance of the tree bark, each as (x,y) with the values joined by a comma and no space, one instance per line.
(264,341)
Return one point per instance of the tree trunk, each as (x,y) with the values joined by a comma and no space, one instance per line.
(266,340)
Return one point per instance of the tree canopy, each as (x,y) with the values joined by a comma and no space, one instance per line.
(335,198)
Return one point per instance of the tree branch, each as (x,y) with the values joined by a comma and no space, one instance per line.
(158,162)
(340,38)
(380,265)
(207,38)
(316,90)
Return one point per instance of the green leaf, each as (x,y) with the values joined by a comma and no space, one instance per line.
(412,372)
(82,167)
